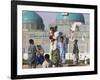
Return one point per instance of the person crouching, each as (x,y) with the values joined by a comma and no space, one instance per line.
(47,62)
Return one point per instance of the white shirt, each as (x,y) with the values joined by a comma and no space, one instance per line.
(56,34)
(47,64)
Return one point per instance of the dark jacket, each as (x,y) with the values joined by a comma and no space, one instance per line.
(75,49)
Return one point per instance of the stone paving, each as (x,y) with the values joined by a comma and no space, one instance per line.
(26,66)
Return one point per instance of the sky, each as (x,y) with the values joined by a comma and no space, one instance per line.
(48,17)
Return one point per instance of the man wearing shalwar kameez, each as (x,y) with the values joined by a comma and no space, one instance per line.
(61,47)
(32,54)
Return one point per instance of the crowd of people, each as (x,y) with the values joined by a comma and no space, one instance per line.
(58,50)
(36,56)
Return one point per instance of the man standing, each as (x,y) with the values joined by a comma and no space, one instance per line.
(55,54)
(61,46)
(32,54)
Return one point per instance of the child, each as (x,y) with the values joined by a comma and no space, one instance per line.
(51,33)
(39,55)
(47,63)
(76,52)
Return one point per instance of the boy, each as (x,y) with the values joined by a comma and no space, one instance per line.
(76,52)
(47,63)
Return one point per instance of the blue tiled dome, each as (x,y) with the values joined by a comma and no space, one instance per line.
(31,17)
(78,17)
